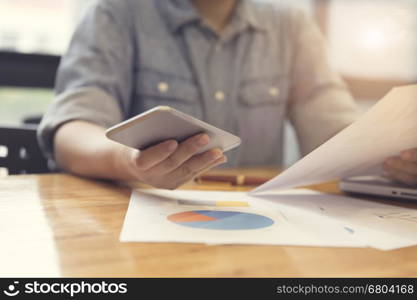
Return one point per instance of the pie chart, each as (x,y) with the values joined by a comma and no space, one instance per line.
(220,220)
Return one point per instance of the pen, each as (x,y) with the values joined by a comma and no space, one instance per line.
(240,180)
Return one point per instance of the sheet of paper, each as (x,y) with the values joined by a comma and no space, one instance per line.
(294,217)
(376,224)
(388,128)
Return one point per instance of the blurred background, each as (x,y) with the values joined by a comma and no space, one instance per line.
(372,43)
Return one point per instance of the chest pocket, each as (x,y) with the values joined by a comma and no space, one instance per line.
(156,88)
(267,91)
(262,107)
(262,102)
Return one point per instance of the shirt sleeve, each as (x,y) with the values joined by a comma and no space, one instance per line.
(320,103)
(94,77)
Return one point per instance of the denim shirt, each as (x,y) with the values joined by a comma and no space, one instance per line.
(269,64)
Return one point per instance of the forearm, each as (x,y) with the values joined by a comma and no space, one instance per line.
(82,148)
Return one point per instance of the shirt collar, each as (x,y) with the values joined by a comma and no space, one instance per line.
(178,13)
(247,11)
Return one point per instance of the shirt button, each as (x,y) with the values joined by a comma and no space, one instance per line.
(273,91)
(219,96)
(163,87)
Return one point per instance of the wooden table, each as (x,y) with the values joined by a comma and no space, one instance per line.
(61,225)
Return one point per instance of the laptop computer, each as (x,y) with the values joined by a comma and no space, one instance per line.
(378,186)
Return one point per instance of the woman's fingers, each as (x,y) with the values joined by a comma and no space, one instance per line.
(194,167)
(401,170)
(152,156)
(184,152)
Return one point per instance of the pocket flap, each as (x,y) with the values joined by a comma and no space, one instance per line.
(272,90)
(159,85)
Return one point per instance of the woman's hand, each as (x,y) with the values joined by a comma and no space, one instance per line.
(169,164)
(403,168)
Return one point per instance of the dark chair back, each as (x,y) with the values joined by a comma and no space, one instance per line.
(25,70)
(23,153)
(28,70)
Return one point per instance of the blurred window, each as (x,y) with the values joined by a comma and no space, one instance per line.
(19,103)
(374,39)
(38,26)
(34,26)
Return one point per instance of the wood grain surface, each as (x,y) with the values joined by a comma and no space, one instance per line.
(61,225)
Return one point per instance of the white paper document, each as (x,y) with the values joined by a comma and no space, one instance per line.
(296,217)
(388,128)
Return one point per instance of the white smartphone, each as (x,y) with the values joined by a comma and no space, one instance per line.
(163,123)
